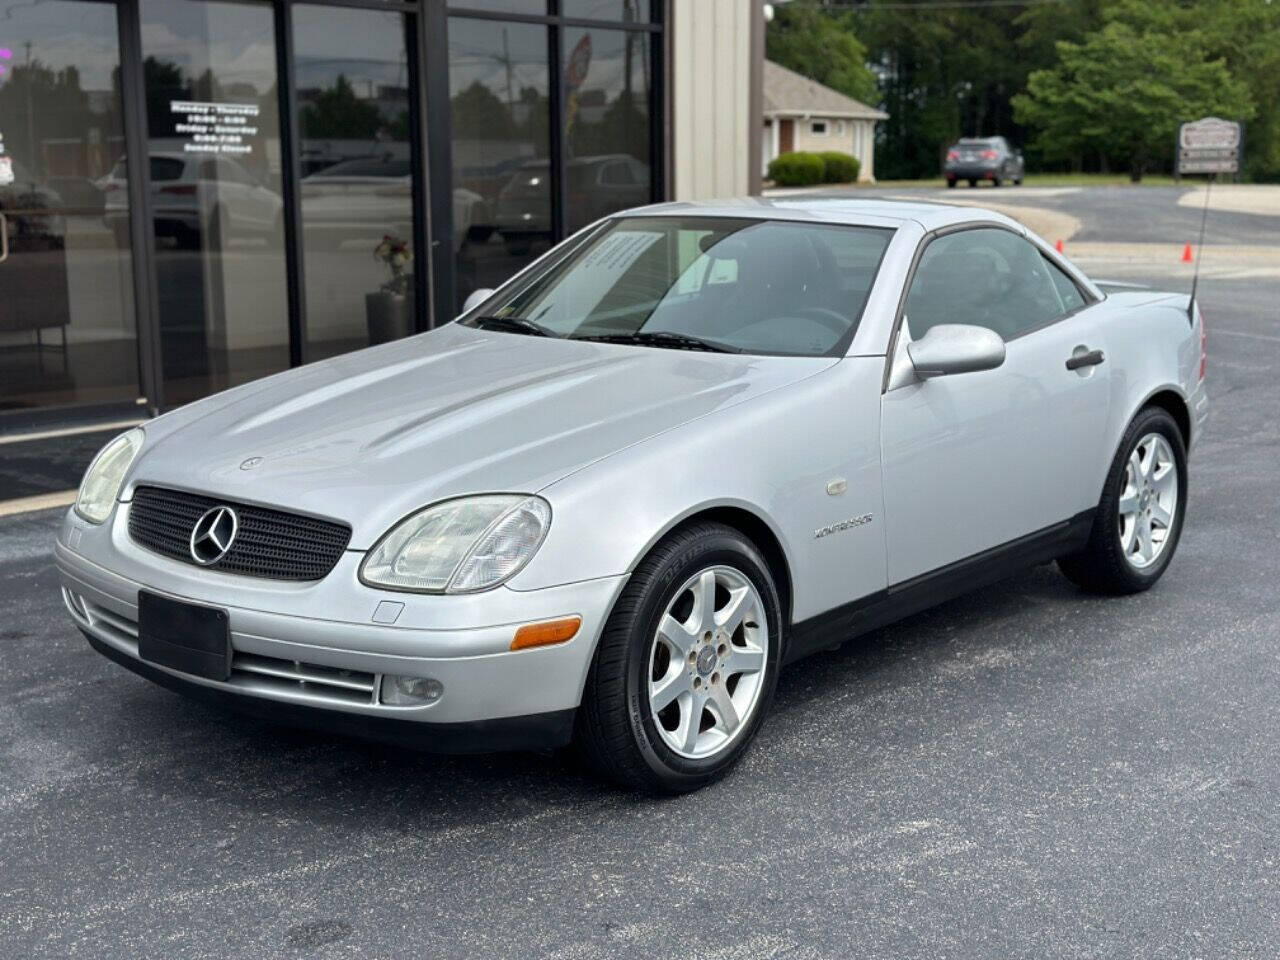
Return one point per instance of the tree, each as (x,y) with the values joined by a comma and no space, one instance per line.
(821,45)
(478,114)
(1242,34)
(337,113)
(1124,92)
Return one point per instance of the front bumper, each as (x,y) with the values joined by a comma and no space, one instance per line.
(315,653)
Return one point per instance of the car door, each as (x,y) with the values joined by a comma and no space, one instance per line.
(975,461)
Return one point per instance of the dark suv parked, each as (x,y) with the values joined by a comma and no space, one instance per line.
(985,158)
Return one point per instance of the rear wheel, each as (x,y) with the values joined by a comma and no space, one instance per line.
(687,664)
(1139,518)
(951,184)
(973,183)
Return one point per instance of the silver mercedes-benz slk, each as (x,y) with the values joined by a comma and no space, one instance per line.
(691,444)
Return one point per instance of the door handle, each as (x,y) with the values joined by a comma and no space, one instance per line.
(1090,359)
(4,238)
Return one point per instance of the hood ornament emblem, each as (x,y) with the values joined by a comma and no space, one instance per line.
(213,535)
(250,463)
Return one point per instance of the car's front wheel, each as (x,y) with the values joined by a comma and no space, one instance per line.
(686,666)
(1139,518)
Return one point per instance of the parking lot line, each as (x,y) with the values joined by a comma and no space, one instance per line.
(43,501)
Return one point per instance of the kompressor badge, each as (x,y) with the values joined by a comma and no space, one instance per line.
(842,525)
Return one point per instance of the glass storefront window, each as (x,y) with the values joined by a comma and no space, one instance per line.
(213,133)
(630,11)
(67,330)
(498,86)
(353,88)
(533,7)
(606,123)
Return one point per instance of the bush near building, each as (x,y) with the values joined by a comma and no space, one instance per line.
(839,167)
(804,169)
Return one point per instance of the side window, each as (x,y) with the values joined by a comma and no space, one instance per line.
(986,277)
(1068,292)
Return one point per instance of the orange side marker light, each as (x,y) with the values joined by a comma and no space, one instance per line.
(544,634)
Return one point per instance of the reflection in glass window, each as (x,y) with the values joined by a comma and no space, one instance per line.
(607,133)
(67,328)
(210,74)
(498,84)
(629,11)
(533,7)
(352,78)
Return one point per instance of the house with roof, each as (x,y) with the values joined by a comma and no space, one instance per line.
(802,114)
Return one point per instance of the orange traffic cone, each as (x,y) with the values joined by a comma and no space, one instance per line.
(1187,256)
(1060,246)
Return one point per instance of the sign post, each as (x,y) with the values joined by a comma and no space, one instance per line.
(1211,146)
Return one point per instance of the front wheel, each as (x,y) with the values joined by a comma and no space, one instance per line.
(686,666)
(1139,518)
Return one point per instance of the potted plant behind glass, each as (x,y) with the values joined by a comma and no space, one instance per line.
(390,309)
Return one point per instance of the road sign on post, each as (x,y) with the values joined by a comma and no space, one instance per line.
(1211,145)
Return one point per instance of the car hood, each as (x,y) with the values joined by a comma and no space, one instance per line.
(370,436)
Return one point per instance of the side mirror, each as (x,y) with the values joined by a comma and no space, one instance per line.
(955,348)
(476,298)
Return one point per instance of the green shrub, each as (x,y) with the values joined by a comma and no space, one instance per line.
(796,169)
(839,167)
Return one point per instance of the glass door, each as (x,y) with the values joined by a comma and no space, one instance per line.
(213,136)
(68,334)
(356,97)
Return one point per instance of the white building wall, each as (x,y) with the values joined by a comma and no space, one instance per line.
(711,81)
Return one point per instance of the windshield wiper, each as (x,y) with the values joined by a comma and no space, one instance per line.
(513,325)
(662,338)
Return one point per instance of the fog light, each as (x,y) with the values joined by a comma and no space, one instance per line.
(402,691)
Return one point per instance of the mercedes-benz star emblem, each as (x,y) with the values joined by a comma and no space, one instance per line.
(213,535)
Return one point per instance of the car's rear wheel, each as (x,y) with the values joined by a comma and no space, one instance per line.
(951,184)
(973,183)
(686,666)
(1139,518)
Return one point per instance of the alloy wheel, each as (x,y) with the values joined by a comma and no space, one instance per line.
(1148,503)
(707,662)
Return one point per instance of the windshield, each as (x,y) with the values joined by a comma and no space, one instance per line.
(749,286)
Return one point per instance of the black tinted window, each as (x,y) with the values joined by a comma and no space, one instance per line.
(985,277)
(1068,293)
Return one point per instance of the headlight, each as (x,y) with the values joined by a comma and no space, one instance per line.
(101,483)
(459,546)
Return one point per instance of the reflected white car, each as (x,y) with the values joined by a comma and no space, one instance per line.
(366,198)
(688,446)
(195,199)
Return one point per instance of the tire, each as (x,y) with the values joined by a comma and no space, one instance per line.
(973,184)
(951,184)
(618,732)
(995,181)
(1110,564)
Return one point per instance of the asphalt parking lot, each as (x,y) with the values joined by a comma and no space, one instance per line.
(1025,772)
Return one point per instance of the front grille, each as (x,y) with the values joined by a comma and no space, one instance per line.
(271,544)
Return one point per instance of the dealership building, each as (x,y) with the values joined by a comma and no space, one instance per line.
(198,193)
